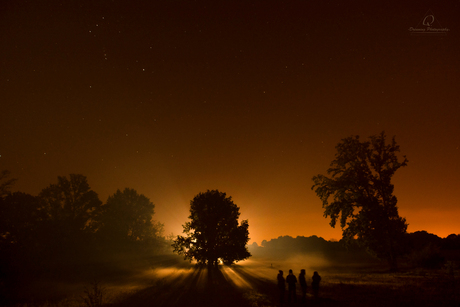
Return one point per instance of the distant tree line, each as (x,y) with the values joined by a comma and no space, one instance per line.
(285,247)
(427,250)
(422,249)
(67,224)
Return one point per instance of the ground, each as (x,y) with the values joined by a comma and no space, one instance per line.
(171,282)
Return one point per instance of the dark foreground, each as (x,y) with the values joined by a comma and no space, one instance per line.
(205,287)
(250,286)
(252,283)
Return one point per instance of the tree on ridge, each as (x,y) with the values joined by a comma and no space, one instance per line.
(359,190)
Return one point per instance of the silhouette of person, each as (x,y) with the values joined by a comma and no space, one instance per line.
(303,285)
(291,281)
(315,283)
(281,286)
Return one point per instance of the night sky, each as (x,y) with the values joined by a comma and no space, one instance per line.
(173,98)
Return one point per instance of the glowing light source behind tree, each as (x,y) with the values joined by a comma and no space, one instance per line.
(213,232)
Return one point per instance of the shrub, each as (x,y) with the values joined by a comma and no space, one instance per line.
(427,257)
(94,296)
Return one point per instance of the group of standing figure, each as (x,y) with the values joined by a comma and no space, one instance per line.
(291,280)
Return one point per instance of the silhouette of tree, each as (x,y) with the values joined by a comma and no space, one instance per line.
(451,242)
(419,239)
(359,189)
(21,243)
(5,183)
(128,217)
(69,207)
(19,218)
(213,232)
(71,202)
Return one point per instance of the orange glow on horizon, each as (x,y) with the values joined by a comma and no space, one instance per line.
(272,225)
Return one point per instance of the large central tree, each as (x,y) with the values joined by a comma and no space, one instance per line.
(213,232)
(360,192)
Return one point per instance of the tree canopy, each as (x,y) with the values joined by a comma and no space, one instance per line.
(20,218)
(70,202)
(127,216)
(359,193)
(5,183)
(213,232)
(67,226)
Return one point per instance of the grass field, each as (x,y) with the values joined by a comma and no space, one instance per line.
(171,282)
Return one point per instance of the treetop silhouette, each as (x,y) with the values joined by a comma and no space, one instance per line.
(213,232)
(359,193)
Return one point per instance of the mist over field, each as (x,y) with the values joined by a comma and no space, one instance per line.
(349,278)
